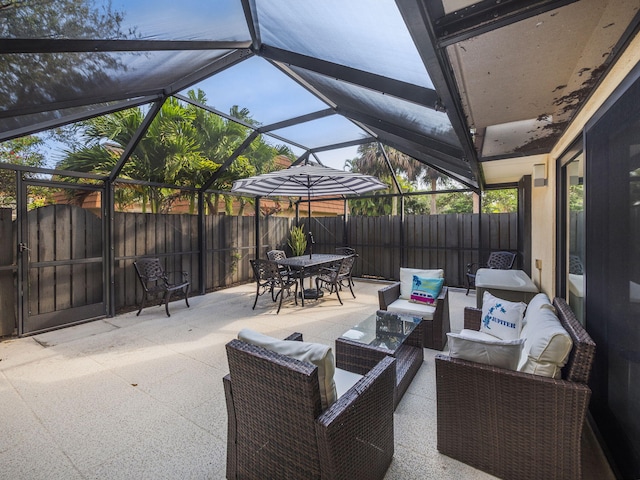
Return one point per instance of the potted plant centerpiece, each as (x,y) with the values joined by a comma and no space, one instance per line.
(298,241)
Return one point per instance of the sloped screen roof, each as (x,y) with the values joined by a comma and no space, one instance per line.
(316,75)
(331,73)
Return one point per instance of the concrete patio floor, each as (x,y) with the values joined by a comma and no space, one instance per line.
(142,398)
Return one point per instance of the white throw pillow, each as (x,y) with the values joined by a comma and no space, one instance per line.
(536,303)
(501,318)
(406,279)
(482,348)
(547,345)
(314,353)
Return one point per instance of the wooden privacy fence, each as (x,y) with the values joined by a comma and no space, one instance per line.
(229,242)
(384,245)
(449,241)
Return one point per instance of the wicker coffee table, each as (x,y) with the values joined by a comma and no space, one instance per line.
(385,333)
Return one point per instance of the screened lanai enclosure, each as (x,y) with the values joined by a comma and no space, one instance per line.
(123,125)
(149,108)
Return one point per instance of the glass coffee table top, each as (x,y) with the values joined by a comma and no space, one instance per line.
(383,329)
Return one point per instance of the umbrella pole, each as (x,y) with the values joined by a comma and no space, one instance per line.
(309,223)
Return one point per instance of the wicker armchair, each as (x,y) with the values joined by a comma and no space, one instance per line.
(435,330)
(513,424)
(276,428)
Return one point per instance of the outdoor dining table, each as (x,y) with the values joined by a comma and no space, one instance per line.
(306,266)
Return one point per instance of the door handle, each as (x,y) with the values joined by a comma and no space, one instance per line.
(22,247)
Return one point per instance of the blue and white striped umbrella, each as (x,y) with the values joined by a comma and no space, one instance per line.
(307,181)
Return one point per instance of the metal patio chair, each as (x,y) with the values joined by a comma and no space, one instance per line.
(497,260)
(334,278)
(270,279)
(155,281)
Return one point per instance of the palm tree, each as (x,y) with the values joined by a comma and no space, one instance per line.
(184,145)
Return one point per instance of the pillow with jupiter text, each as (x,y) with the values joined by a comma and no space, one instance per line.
(501,318)
(425,290)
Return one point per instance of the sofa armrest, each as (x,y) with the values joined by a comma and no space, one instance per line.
(488,416)
(389,294)
(472,318)
(359,426)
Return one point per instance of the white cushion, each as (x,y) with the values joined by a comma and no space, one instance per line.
(314,353)
(345,380)
(406,279)
(547,345)
(536,303)
(501,318)
(483,348)
(576,284)
(419,309)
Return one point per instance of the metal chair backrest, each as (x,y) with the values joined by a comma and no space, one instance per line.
(575,265)
(150,270)
(275,255)
(346,266)
(501,260)
(345,251)
(265,270)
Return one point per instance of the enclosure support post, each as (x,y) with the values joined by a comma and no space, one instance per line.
(345,224)
(21,233)
(403,250)
(258,235)
(480,243)
(109,259)
(202,245)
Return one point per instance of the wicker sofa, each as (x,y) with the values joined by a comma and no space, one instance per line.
(435,324)
(511,424)
(278,429)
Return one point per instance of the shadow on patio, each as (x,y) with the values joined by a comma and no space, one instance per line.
(142,397)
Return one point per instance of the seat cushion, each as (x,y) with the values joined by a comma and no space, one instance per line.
(345,380)
(484,348)
(315,353)
(406,279)
(419,309)
(547,345)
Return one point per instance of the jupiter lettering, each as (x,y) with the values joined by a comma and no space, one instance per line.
(501,322)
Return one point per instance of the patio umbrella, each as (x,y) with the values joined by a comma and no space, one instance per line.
(308,180)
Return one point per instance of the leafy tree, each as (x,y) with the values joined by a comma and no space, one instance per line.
(184,146)
(36,78)
(455,202)
(576,197)
(22,151)
(500,201)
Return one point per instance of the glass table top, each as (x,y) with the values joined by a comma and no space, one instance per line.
(383,329)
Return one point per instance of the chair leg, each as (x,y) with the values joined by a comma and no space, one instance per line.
(338,295)
(281,297)
(257,295)
(167,297)
(144,300)
(354,295)
(186,296)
